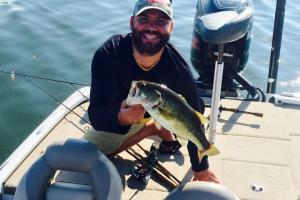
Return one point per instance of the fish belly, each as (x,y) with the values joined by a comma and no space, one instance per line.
(175,126)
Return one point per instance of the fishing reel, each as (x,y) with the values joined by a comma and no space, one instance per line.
(143,171)
(152,158)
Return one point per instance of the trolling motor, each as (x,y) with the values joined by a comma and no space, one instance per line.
(222,33)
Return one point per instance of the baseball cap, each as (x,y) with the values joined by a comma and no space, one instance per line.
(163,5)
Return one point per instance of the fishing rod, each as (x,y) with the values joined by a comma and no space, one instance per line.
(236,110)
(152,159)
(13,74)
(160,166)
(25,76)
(59,102)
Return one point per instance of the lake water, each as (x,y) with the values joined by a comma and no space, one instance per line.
(57,39)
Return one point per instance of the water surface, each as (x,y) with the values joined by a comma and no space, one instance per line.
(57,39)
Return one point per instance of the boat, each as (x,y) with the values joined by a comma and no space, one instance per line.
(257,136)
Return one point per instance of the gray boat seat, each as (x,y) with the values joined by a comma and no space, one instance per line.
(223,21)
(76,156)
(200,190)
(63,191)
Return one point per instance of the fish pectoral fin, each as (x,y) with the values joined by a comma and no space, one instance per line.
(202,119)
(209,152)
(181,140)
(157,124)
(145,120)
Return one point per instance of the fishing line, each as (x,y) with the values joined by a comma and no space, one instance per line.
(74,88)
(36,59)
(6,128)
(82,130)
(13,74)
(55,99)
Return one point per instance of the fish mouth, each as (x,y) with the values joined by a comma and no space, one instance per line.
(133,92)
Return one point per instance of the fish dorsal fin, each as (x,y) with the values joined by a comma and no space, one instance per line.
(202,119)
(182,97)
(163,86)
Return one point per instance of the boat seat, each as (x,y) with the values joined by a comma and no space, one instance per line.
(221,21)
(76,156)
(63,191)
(200,190)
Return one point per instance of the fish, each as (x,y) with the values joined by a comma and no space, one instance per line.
(171,111)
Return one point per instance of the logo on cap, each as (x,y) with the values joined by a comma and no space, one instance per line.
(155,1)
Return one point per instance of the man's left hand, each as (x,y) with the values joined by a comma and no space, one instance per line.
(205,175)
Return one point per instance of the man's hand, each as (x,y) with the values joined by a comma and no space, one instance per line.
(205,175)
(130,114)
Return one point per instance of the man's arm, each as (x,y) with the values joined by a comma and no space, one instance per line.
(105,100)
(189,91)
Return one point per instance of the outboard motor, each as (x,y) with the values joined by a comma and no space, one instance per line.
(236,52)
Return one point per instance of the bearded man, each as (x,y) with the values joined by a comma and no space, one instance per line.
(143,54)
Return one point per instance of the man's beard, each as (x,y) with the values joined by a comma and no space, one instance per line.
(148,49)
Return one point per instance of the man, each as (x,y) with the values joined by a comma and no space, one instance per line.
(143,54)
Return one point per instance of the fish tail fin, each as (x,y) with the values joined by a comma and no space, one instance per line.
(209,152)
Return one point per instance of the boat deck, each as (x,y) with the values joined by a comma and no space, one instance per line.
(262,151)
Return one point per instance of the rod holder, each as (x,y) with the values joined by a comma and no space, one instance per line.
(216,95)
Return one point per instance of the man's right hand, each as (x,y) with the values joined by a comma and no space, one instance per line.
(130,114)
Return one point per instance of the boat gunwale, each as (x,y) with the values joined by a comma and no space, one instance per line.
(39,133)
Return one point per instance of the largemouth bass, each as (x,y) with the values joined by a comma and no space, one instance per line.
(171,111)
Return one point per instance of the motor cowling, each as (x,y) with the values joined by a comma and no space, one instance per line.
(204,54)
